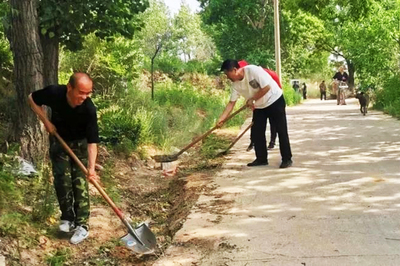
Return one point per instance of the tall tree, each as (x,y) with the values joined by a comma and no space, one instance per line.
(155,33)
(245,29)
(337,16)
(241,29)
(68,21)
(43,25)
(191,41)
(301,35)
(23,35)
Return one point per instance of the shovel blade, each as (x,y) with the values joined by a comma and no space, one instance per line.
(145,236)
(221,153)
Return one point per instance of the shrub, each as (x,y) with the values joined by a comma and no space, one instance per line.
(178,113)
(291,97)
(8,191)
(41,196)
(170,65)
(59,257)
(12,224)
(120,127)
(388,98)
(110,63)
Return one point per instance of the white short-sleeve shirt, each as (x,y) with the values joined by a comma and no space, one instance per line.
(255,78)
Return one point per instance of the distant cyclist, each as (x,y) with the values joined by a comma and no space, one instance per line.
(340,83)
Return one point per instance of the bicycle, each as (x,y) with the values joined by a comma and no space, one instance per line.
(341,87)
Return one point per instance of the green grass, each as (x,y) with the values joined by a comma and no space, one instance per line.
(178,113)
(58,257)
(212,145)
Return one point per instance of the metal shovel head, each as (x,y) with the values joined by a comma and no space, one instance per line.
(145,236)
(165,158)
(221,152)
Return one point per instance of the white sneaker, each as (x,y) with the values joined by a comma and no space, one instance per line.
(66,226)
(80,234)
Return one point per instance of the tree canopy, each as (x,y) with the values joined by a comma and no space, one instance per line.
(71,20)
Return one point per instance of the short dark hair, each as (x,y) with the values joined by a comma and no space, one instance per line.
(229,64)
(76,76)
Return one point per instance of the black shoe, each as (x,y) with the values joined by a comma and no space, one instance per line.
(257,163)
(251,146)
(286,164)
(271,146)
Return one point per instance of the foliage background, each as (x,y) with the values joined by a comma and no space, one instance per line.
(190,93)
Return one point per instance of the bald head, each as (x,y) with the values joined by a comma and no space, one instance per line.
(80,87)
(80,78)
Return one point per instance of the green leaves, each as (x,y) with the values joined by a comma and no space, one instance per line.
(241,28)
(157,28)
(70,20)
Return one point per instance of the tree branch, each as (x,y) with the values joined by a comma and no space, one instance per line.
(332,50)
(157,50)
(251,22)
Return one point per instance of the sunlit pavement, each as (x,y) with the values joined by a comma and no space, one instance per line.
(338,205)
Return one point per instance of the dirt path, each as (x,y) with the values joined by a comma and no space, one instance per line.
(338,205)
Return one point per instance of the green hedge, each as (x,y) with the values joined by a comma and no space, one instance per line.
(388,98)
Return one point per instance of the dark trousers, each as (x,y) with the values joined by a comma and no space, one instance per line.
(272,127)
(277,115)
(323,95)
(273,131)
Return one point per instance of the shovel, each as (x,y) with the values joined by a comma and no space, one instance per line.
(235,140)
(141,239)
(174,157)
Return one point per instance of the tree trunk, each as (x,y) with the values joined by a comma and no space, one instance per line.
(50,59)
(28,76)
(350,65)
(152,69)
(152,78)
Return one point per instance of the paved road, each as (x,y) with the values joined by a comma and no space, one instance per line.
(338,205)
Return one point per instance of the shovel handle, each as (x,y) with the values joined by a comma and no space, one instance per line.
(238,137)
(209,131)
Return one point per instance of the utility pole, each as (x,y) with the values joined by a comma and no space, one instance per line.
(277,40)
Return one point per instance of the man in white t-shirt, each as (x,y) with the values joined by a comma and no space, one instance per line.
(264,96)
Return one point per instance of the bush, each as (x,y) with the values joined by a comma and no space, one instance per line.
(195,66)
(41,196)
(119,127)
(12,224)
(170,65)
(36,192)
(8,191)
(7,94)
(178,113)
(291,97)
(388,98)
(110,63)
(59,257)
